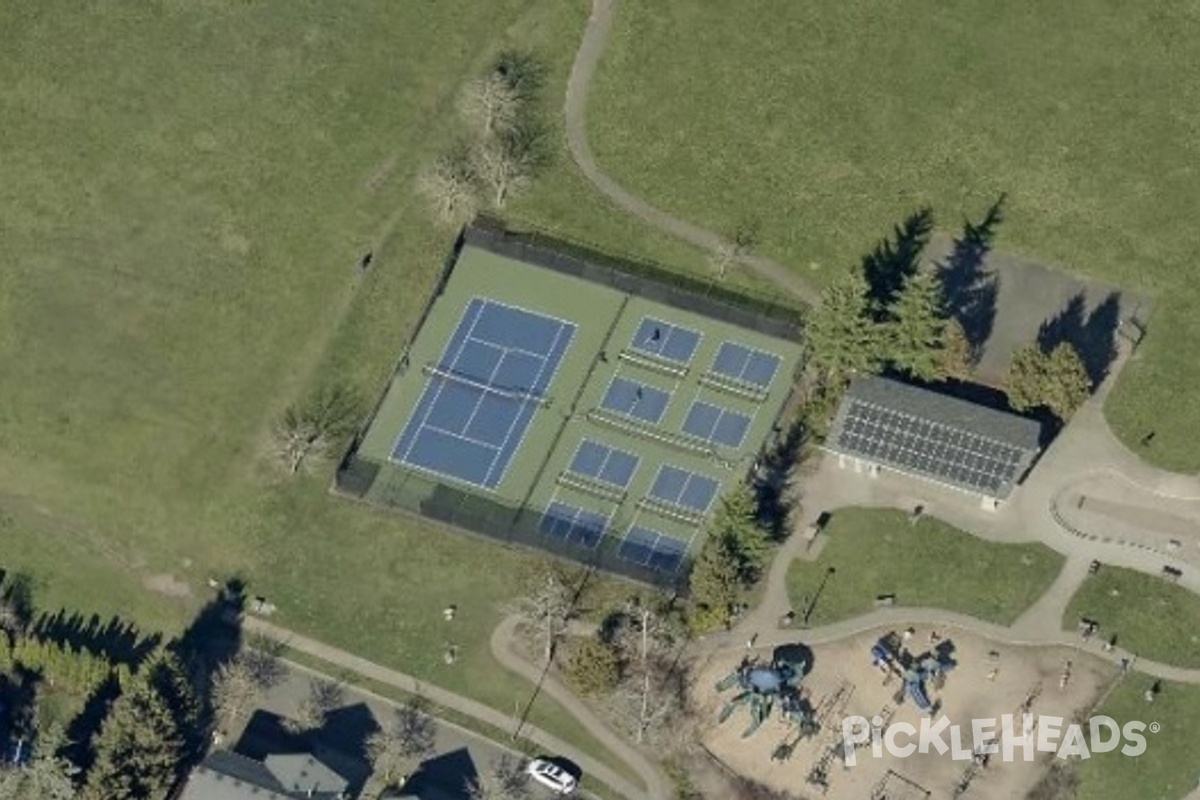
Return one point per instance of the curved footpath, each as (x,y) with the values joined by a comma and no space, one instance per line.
(466,705)
(588,56)
(503,638)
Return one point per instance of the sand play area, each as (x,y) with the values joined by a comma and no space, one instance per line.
(987,681)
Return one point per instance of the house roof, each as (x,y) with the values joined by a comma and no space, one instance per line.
(301,772)
(225,775)
(943,438)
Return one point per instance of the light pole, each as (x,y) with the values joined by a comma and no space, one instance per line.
(816,596)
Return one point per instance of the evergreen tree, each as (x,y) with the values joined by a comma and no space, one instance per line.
(593,667)
(47,776)
(1056,380)
(957,358)
(139,748)
(916,328)
(736,521)
(841,336)
(715,582)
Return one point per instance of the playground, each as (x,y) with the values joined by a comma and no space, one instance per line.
(796,745)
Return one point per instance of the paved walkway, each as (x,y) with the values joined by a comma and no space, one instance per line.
(464,705)
(588,56)
(502,642)
(1031,516)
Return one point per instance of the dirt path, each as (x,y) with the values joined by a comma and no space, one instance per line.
(590,48)
(463,705)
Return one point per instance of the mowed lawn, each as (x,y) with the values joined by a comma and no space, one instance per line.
(929,564)
(826,123)
(1170,767)
(187,190)
(1148,615)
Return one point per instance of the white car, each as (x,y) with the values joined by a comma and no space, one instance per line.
(550,775)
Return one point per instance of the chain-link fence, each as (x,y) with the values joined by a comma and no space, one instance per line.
(512,524)
(738,306)
(392,486)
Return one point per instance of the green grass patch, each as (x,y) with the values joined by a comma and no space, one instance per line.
(1148,615)
(930,564)
(827,123)
(1169,768)
(188,189)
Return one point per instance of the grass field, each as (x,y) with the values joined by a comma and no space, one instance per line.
(188,187)
(825,124)
(1148,615)
(930,564)
(1170,767)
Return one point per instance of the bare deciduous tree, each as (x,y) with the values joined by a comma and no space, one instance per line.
(546,608)
(503,780)
(654,688)
(315,427)
(491,104)
(451,185)
(505,164)
(409,737)
(240,682)
(732,250)
(323,697)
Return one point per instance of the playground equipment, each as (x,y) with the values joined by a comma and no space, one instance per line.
(762,684)
(890,655)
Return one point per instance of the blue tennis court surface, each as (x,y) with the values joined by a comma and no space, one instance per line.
(745,364)
(574,525)
(634,399)
(684,489)
(481,396)
(604,463)
(716,424)
(665,340)
(652,549)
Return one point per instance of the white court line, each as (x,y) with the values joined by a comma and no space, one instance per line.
(482,394)
(539,356)
(477,442)
(438,393)
(537,380)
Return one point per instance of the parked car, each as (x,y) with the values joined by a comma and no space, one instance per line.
(551,775)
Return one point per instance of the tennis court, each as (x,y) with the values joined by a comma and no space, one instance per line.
(745,364)
(683,488)
(635,399)
(482,393)
(654,549)
(716,424)
(590,421)
(672,342)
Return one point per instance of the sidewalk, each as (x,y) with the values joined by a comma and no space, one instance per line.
(464,705)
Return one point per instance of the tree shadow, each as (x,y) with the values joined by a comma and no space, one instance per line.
(16,592)
(969,289)
(116,641)
(212,640)
(445,777)
(773,505)
(894,259)
(84,728)
(1093,335)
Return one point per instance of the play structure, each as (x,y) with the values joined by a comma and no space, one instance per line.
(915,672)
(762,685)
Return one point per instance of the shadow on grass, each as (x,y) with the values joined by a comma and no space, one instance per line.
(894,259)
(969,289)
(1093,335)
(211,641)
